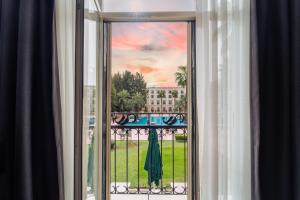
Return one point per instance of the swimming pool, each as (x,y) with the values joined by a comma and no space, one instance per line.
(154,120)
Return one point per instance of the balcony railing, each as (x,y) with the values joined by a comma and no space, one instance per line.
(129,139)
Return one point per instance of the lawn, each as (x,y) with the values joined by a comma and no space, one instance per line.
(167,161)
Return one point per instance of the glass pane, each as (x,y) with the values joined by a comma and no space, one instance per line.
(90,5)
(90,142)
(149,111)
(148,5)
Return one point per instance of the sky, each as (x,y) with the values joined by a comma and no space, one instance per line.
(155,49)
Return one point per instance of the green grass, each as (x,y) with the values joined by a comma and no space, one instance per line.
(167,161)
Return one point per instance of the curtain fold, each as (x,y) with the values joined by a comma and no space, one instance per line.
(278,48)
(223,34)
(65,11)
(57,115)
(28,151)
(255,110)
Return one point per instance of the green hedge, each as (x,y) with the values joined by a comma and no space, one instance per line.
(180,137)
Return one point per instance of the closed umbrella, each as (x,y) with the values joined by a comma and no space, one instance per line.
(153,160)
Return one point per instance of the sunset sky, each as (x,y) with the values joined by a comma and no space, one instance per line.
(153,49)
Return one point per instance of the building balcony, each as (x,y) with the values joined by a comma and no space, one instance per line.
(130,147)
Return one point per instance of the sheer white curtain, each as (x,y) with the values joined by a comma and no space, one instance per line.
(65,32)
(222,33)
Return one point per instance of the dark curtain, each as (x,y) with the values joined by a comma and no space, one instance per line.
(28,154)
(277,24)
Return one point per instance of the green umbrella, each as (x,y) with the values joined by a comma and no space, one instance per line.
(153,160)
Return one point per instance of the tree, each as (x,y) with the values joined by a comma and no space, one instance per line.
(134,85)
(161,94)
(123,98)
(138,101)
(181,76)
(174,94)
(181,104)
(114,99)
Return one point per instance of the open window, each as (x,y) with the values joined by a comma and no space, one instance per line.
(116,136)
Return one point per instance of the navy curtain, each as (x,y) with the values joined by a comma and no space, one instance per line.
(28,155)
(277,24)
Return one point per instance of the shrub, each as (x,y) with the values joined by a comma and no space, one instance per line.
(180,137)
(112,144)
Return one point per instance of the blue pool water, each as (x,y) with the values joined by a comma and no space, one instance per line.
(153,121)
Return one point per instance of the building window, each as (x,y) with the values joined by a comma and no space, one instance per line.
(152,96)
(158,110)
(164,102)
(152,91)
(170,96)
(170,102)
(182,91)
(157,102)
(152,102)
(170,109)
(164,109)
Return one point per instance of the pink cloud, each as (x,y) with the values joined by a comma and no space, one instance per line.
(176,36)
(141,35)
(148,25)
(144,69)
(158,50)
(129,41)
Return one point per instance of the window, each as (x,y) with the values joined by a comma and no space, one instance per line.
(113,144)
(148,5)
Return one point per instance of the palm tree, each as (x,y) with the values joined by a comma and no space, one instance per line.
(161,94)
(181,104)
(174,95)
(138,101)
(181,76)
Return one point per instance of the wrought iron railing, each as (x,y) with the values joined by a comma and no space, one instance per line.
(133,128)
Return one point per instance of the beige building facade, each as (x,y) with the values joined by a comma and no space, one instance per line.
(154,103)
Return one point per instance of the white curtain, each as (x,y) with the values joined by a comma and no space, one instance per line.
(65,32)
(222,34)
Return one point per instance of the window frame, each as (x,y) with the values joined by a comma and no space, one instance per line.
(103,119)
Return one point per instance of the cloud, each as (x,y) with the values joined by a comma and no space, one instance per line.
(149,59)
(152,47)
(129,41)
(144,69)
(175,35)
(150,36)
